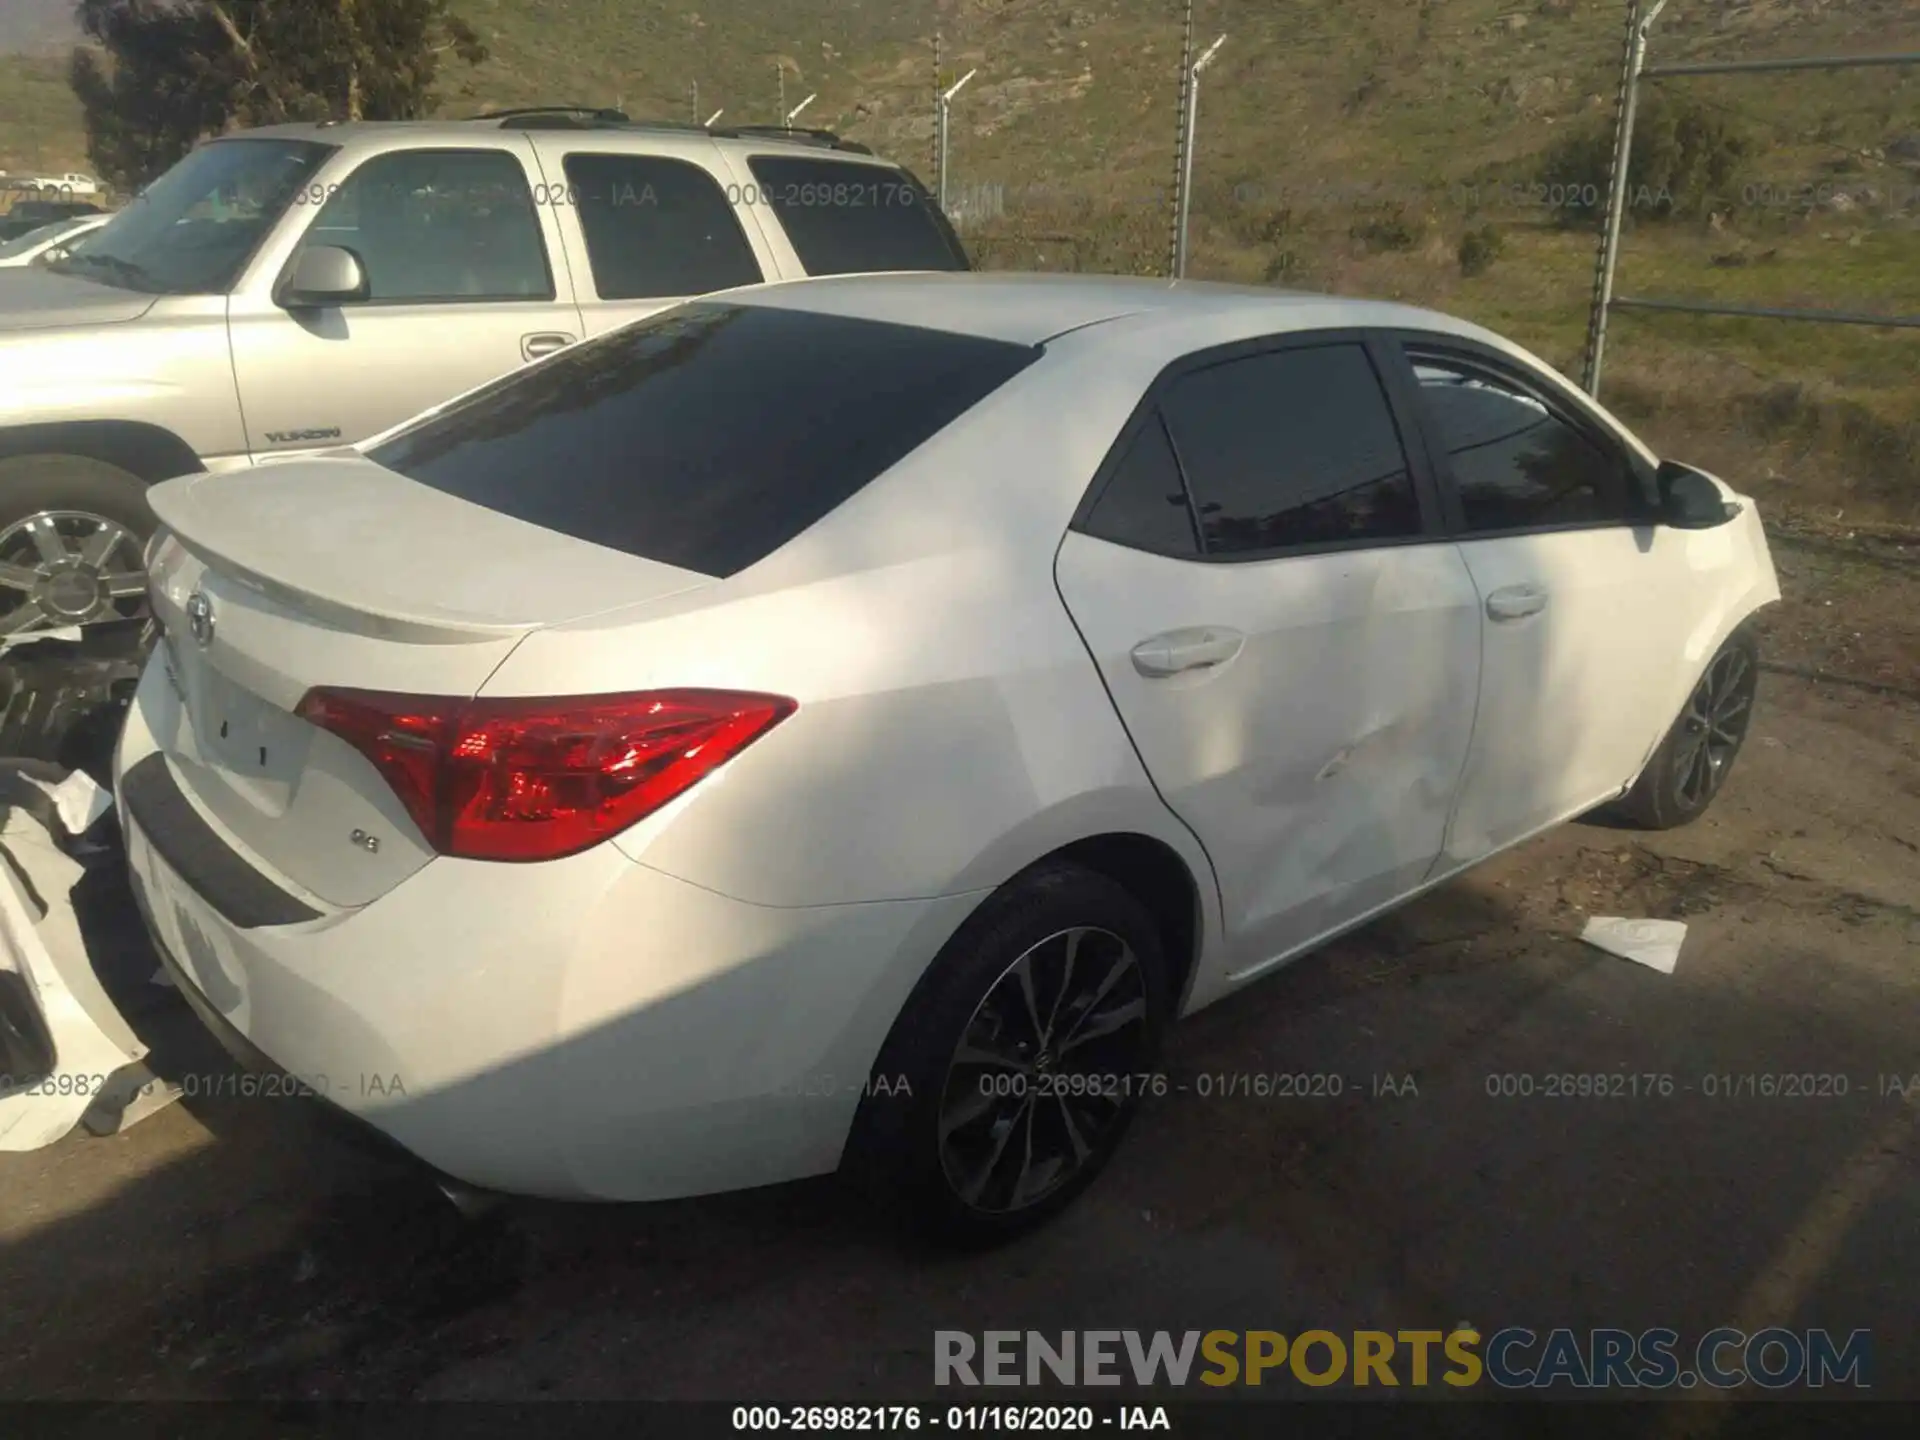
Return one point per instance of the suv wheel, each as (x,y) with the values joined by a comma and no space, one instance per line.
(73,535)
(1024,1052)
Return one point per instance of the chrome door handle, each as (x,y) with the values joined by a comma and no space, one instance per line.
(1516,602)
(532,347)
(1200,647)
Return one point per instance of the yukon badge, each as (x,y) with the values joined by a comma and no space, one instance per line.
(301,437)
(200,618)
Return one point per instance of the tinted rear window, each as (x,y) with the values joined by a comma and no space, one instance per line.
(707,436)
(846,218)
(657,227)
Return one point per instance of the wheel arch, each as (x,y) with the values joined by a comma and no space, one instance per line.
(1177,889)
(1154,873)
(149,452)
(1132,839)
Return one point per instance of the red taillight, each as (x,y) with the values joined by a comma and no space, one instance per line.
(516,779)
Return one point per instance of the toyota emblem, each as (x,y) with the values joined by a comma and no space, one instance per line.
(200,618)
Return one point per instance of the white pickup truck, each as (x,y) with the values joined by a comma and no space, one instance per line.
(72,183)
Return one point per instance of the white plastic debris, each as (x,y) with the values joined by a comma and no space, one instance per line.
(97,1075)
(79,799)
(1653,943)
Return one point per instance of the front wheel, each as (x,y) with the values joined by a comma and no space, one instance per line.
(73,534)
(1024,1053)
(1693,762)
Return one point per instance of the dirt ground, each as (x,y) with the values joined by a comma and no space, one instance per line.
(231,1249)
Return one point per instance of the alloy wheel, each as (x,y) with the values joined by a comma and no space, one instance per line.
(69,567)
(1713,725)
(1045,1070)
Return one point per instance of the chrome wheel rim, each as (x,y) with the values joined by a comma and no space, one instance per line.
(1713,725)
(1044,1071)
(69,567)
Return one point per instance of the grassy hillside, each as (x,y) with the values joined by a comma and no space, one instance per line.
(33,26)
(1341,144)
(40,125)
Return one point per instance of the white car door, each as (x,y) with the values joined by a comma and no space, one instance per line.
(1291,642)
(1585,599)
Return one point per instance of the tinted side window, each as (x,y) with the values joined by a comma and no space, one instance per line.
(707,436)
(1291,448)
(1516,464)
(846,219)
(1145,502)
(657,227)
(440,225)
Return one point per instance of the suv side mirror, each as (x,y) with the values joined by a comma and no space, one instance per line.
(1689,500)
(323,275)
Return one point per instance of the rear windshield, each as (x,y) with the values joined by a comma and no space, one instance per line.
(846,218)
(707,436)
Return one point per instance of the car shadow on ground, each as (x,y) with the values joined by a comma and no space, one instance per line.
(240,1250)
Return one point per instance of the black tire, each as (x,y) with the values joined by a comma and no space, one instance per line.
(75,484)
(1693,761)
(899,1152)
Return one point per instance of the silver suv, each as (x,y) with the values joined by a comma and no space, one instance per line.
(303,287)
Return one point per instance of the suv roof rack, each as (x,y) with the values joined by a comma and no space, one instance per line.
(585,116)
(596,117)
(801,135)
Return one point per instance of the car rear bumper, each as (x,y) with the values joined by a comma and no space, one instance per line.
(587,1028)
(257,1062)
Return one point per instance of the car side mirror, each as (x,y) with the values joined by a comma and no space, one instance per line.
(323,275)
(1689,500)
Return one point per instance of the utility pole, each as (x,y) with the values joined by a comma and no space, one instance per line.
(696,102)
(1190,109)
(780,69)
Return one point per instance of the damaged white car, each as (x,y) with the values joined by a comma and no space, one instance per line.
(846,722)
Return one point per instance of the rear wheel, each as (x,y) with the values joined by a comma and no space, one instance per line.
(73,532)
(1019,1061)
(1693,762)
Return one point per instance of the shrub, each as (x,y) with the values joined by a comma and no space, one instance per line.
(1479,249)
(1684,154)
(1389,229)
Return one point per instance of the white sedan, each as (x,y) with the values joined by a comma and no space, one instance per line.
(843,723)
(45,241)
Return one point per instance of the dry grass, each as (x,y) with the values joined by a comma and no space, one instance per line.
(1320,124)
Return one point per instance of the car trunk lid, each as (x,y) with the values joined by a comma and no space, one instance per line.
(339,573)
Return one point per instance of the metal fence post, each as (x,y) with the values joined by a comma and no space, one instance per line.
(1638,28)
(1174,242)
(940,151)
(1186,160)
(946,104)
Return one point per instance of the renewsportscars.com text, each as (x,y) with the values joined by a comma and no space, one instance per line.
(1512,1358)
